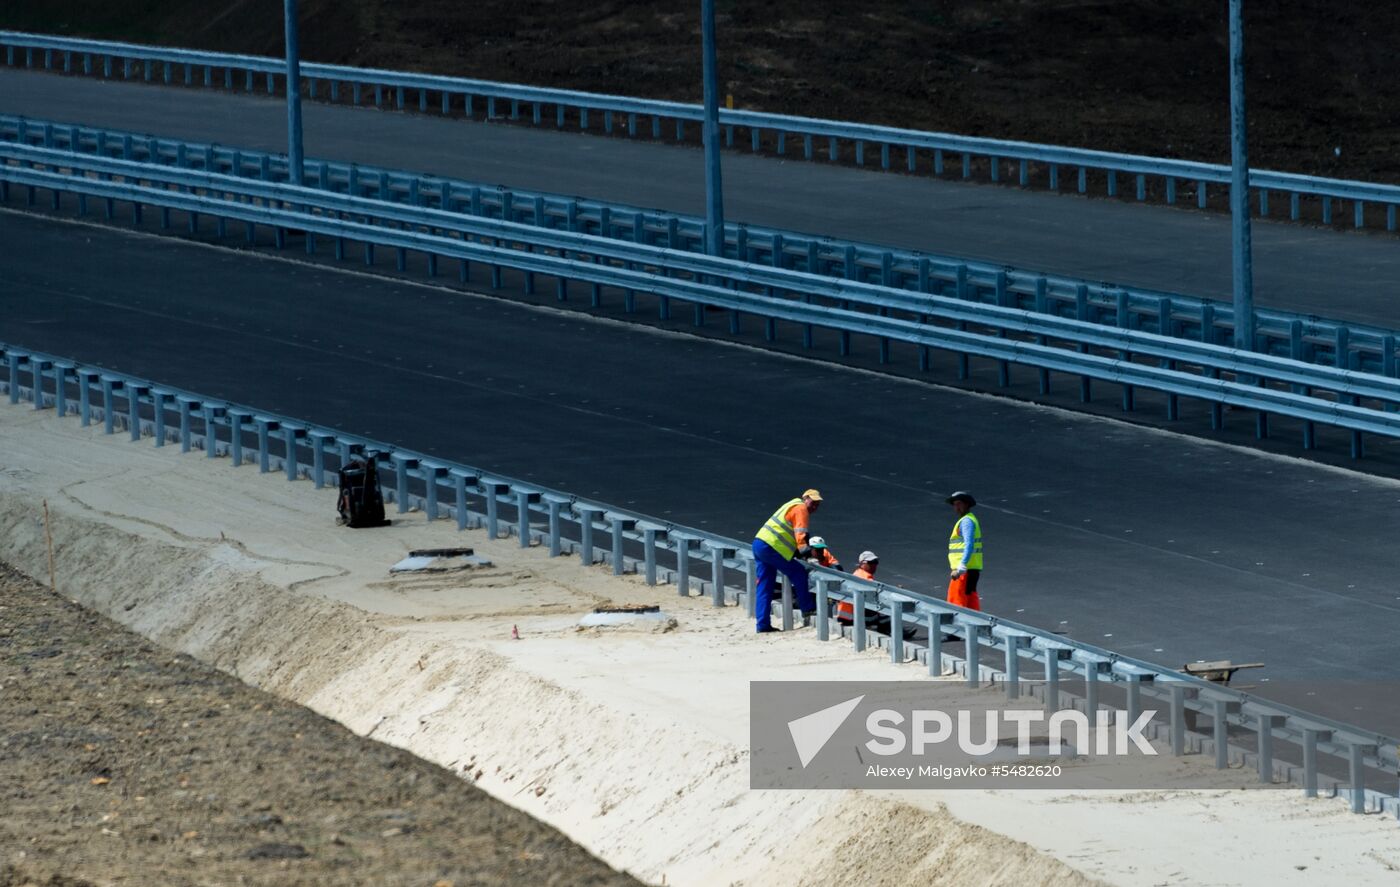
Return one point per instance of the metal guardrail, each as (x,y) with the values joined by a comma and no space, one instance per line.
(665,551)
(1302,337)
(463,93)
(1359,402)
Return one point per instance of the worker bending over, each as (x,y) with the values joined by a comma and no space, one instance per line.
(821,555)
(781,539)
(964,552)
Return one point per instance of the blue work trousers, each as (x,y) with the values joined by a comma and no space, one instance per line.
(770,564)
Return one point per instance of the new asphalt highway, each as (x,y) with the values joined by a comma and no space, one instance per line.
(1150,543)
(1329,273)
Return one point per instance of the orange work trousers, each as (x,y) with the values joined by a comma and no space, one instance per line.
(960,594)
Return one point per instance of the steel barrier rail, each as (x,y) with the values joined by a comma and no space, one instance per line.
(1210,387)
(702,266)
(835,132)
(1302,337)
(219,427)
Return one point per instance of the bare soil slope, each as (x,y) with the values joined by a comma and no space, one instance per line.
(122,763)
(1142,76)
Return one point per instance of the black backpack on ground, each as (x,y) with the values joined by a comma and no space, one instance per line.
(361,503)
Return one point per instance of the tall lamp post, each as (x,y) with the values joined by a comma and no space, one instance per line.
(714,190)
(1242,265)
(294,156)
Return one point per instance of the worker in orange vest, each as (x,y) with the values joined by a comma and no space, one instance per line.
(866,566)
(964,552)
(822,555)
(778,547)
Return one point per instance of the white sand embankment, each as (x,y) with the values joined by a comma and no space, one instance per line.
(633,743)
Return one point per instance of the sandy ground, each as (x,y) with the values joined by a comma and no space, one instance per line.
(120,764)
(632,743)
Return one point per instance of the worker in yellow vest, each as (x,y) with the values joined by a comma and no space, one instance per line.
(964,552)
(776,547)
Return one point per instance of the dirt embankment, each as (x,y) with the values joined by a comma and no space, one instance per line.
(122,763)
(1130,75)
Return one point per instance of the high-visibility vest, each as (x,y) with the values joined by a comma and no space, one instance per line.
(955,544)
(778,533)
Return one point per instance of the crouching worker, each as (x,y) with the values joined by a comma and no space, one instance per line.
(875,621)
(776,546)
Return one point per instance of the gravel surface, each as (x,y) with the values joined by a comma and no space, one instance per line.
(122,763)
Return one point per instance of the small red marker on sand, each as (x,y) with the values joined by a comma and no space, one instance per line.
(515,632)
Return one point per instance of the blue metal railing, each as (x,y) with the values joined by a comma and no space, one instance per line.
(665,551)
(506,100)
(1302,337)
(1133,359)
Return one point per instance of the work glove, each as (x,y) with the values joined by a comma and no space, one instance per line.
(805,551)
(958,571)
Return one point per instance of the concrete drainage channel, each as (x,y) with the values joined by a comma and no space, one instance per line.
(1282,743)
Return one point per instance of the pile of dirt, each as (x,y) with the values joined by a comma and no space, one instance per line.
(1128,75)
(121,762)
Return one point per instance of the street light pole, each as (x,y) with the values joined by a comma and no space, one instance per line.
(1239,189)
(714,190)
(294,156)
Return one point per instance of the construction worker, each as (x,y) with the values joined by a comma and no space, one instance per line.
(964,552)
(821,554)
(776,545)
(868,563)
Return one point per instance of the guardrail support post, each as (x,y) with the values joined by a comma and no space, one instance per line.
(37,366)
(318,458)
(290,435)
(823,609)
(1014,640)
(186,404)
(134,391)
(750,584)
(265,428)
(938,621)
(587,516)
(460,479)
(1221,731)
(1178,719)
(432,473)
(1310,740)
(491,489)
(1265,725)
(157,414)
(14,361)
(1053,655)
(972,631)
(85,380)
(896,631)
(1355,759)
(787,603)
(649,534)
(682,541)
(555,504)
(620,523)
(212,412)
(236,419)
(858,619)
(109,415)
(523,500)
(717,555)
(60,392)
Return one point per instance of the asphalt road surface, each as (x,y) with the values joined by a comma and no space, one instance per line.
(1337,274)
(1150,543)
